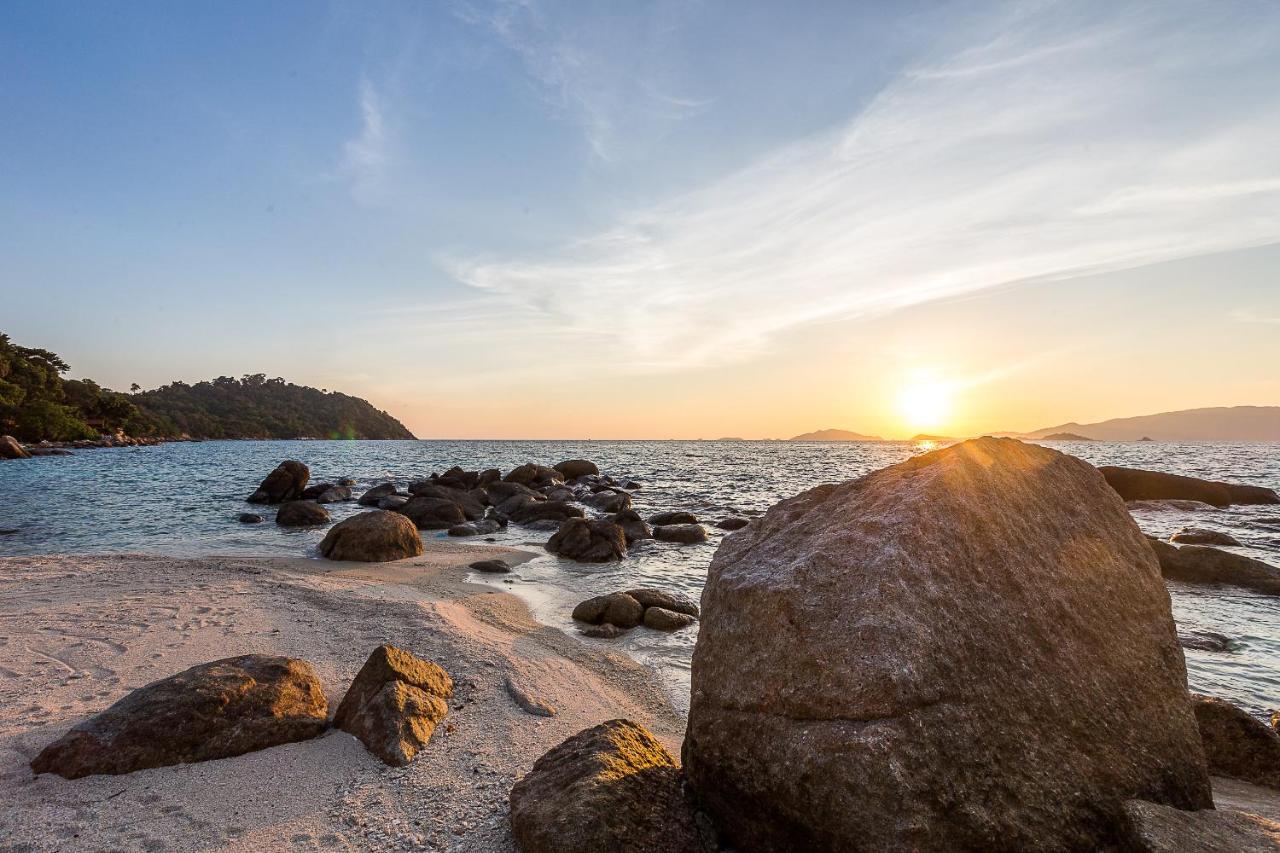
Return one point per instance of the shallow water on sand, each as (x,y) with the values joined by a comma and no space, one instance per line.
(185,498)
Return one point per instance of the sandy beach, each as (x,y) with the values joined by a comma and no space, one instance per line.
(78,633)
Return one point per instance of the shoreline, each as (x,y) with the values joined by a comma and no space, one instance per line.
(77,633)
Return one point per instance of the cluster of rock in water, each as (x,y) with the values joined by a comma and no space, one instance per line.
(970,650)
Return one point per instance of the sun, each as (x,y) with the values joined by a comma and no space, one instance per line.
(925,403)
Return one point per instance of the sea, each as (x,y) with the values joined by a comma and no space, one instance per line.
(185,498)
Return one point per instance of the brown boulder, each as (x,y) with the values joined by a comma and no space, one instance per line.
(529,510)
(377,493)
(612,787)
(214,710)
(572,469)
(1204,565)
(674,517)
(432,513)
(301,514)
(685,534)
(733,522)
(394,704)
(1135,484)
(616,608)
(1201,536)
(634,528)
(1150,828)
(667,600)
(373,537)
(972,649)
(286,483)
(530,474)
(610,501)
(11,449)
(589,541)
(471,507)
(1236,744)
(662,619)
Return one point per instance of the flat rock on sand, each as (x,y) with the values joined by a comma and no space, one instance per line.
(969,650)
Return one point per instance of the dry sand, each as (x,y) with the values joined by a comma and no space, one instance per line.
(77,633)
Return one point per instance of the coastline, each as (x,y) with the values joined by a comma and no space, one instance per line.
(77,633)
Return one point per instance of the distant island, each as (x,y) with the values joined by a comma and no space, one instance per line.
(38,404)
(835,435)
(1066,436)
(1222,423)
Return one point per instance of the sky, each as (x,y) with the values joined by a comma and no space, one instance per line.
(535,219)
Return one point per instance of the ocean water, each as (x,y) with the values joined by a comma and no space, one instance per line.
(184,499)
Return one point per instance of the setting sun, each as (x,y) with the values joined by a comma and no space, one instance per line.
(925,403)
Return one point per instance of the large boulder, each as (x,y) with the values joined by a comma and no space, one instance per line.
(616,608)
(214,710)
(572,469)
(1201,564)
(589,541)
(394,704)
(1150,828)
(11,449)
(286,483)
(531,474)
(301,514)
(373,537)
(1135,484)
(972,649)
(432,513)
(1237,744)
(611,787)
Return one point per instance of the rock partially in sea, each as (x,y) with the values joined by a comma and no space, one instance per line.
(872,670)
(394,704)
(376,536)
(589,541)
(501,490)
(392,502)
(613,787)
(674,517)
(493,567)
(732,522)
(662,619)
(1200,564)
(572,469)
(1204,641)
(531,474)
(633,526)
(529,511)
(1202,536)
(483,527)
(659,598)
(1136,484)
(334,494)
(251,518)
(470,506)
(11,449)
(685,534)
(286,483)
(616,608)
(1237,744)
(610,501)
(605,631)
(377,493)
(214,710)
(1151,828)
(432,513)
(301,514)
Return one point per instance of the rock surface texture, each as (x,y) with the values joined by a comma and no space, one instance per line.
(1160,829)
(286,483)
(921,659)
(394,704)
(372,537)
(214,710)
(1236,744)
(612,787)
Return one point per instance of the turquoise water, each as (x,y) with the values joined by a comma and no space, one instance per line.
(185,498)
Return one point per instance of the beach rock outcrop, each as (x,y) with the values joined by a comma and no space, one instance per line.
(376,536)
(376,493)
(394,704)
(214,710)
(432,513)
(611,787)
(1136,484)
(589,541)
(1151,828)
(684,534)
(875,671)
(11,449)
(1201,564)
(633,526)
(301,514)
(572,469)
(1237,744)
(616,608)
(285,483)
(1201,536)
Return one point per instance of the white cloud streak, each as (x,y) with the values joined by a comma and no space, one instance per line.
(1041,152)
(366,157)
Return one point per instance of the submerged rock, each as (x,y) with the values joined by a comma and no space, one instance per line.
(285,483)
(872,670)
(301,514)
(394,704)
(612,787)
(251,518)
(1151,828)
(1135,484)
(1201,536)
(214,710)
(1201,564)
(685,534)
(1204,641)
(376,536)
(1236,744)
(732,522)
(589,541)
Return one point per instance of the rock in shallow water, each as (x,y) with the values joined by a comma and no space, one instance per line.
(301,514)
(1200,564)
(612,787)
(214,710)
(916,660)
(493,567)
(616,608)
(1201,536)
(285,483)
(1136,484)
(376,536)
(684,534)
(662,619)
(394,704)
(1236,744)
(589,541)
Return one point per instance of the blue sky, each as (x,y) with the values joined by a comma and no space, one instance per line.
(465,210)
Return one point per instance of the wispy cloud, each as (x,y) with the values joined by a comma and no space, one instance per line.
(1251,317)
(366,156)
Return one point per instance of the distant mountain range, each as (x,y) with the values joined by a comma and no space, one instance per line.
(835,435)
(1222,423)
